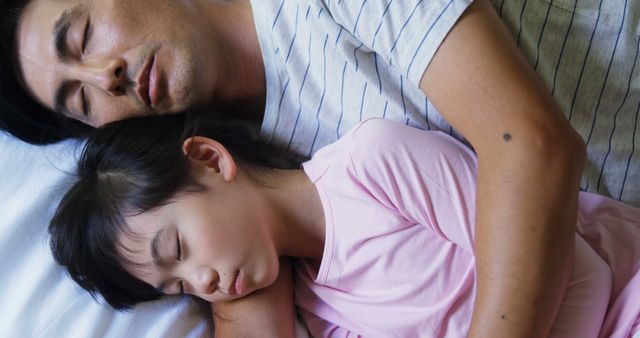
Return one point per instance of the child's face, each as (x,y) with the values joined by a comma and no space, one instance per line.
(215,244)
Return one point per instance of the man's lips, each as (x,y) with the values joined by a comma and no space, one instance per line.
(153,83)
(143,89)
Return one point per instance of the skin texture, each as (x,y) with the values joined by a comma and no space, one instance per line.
(219,240)
(211,246)
(109,44)
(527,186)
(232,319)
(530,162)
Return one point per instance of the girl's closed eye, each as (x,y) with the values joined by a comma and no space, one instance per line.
(178,248)
(179,258)
(85,102)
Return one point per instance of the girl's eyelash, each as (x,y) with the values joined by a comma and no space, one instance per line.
(85,103)
(179,258)
(178,248)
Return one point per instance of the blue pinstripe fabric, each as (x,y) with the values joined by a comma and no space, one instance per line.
(324,91)
(424,38)
(585,51)
(631,154)
(584,63)
(564,44)
(544,25)
(344,72)
(382,18)
(615,119)
(606,77)
(587,55)
(395,42)
(304,80)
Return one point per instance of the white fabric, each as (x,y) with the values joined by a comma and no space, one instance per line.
(323,76)
(38,298)
(398,259)
(333,63)
(586,52)
(600,72)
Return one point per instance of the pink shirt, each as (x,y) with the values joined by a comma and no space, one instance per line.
(398,260)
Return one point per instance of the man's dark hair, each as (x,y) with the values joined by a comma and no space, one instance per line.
(20,114)
(126,168)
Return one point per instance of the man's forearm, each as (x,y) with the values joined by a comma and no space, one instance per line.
(530,161)
(525,232)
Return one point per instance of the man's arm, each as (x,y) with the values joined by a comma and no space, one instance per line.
(265,313)
(530,161)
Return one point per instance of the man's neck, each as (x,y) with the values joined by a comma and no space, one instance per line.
(249,108)
(242,88)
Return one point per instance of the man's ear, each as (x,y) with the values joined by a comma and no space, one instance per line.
(211,154)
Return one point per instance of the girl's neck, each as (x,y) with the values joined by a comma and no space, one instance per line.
(298,204)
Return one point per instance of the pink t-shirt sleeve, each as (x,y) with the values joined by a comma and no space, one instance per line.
(398,257)
(427,177)
(324,328)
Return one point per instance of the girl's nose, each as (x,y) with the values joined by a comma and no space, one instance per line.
(204,280)
(107,74)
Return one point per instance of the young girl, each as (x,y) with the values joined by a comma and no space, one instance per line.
(380,223)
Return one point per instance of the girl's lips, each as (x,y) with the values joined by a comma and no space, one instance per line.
(238,286)
(234,287)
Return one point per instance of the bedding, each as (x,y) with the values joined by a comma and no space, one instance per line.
(39,300)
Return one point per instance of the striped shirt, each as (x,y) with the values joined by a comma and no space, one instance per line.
(331,63)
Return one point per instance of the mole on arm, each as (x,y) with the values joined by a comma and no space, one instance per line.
(506,137)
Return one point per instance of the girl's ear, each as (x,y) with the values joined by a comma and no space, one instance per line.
(210,154)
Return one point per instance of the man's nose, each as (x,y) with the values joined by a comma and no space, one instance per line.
(107,74)
(204,280)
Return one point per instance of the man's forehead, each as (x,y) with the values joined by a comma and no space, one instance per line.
(41,18)
(35,52)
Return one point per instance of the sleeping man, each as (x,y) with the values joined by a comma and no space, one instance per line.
(309,70)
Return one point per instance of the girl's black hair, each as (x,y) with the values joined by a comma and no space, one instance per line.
(130,167)
(20,114)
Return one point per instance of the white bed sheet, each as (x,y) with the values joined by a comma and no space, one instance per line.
(38,298)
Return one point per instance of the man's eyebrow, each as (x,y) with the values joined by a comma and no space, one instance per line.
(60,30)
(60,98)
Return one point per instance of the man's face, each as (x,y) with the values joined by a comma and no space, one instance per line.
(103,60)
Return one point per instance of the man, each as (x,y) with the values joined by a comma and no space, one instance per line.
(308,70)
